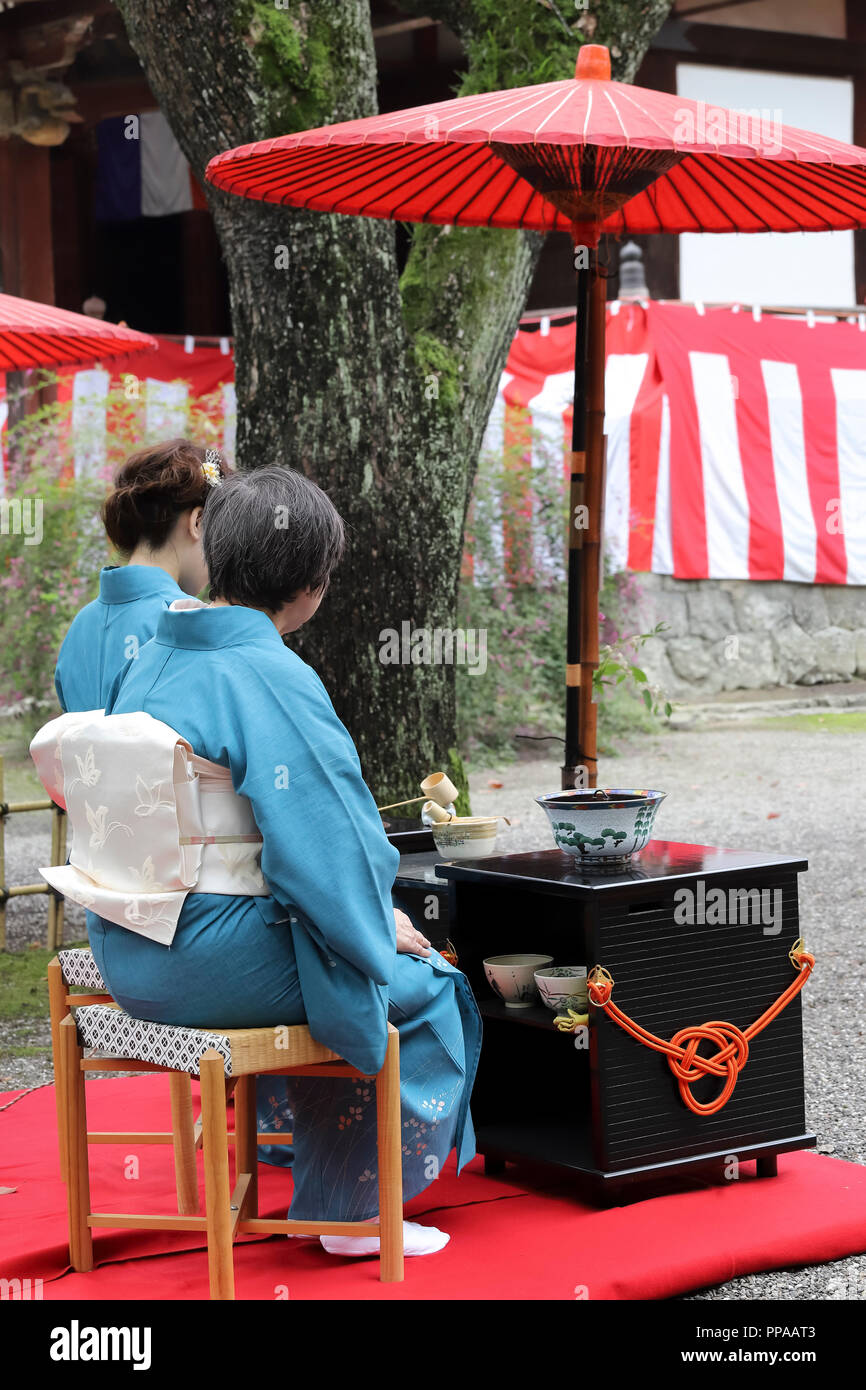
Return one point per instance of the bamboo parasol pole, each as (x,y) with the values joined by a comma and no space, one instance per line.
(584,528)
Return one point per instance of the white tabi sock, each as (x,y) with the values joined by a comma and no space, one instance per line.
(417,1240)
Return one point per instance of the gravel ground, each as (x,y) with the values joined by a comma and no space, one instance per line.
(740,786)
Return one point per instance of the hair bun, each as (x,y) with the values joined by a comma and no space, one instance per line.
(152,489)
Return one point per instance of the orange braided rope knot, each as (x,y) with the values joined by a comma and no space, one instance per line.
(685,1061)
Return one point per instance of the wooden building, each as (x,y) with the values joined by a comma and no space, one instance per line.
(67,68)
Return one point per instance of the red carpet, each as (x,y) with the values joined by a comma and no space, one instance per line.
(522,1236)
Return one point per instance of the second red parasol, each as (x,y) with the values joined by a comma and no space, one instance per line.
(38,335)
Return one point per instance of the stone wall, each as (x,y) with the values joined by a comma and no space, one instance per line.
(738,634)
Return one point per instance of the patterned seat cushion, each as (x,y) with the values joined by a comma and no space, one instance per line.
(79,968)
(116,1034)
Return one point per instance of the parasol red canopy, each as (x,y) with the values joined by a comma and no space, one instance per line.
(38,335)
(586,151)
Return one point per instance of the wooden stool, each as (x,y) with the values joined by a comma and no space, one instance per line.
(76,969)
(240,1054)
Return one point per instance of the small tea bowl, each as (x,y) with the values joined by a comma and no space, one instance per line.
(513,978)
(601,828)
(563,987)
(466,837)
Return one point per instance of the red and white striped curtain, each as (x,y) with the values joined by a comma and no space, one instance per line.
(736,442)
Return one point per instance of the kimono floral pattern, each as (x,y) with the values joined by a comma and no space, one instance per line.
(148,915)
(274,1116)
(88,773)
(333,1122)
(101,827)
(149,799)
(146,876)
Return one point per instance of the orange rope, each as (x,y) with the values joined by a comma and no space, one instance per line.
(686,1062)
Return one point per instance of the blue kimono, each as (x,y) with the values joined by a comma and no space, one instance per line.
(109,631)
(321,949)
(101,639)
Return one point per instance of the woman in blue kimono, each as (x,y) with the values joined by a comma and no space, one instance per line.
(152,516)
(327,946)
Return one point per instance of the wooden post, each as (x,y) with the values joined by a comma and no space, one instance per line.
(571,769)
(216,1176)
(183,1136)
(51,935)
(62,826)
(591,556)
(246,1142)
(78,1176)
(390,1163)
(584,528)
(58,1009)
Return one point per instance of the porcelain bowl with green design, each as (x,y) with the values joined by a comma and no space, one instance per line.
(602,827)
(563,987)
(512,977)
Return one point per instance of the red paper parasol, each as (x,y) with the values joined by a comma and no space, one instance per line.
(38,335)
(587,155)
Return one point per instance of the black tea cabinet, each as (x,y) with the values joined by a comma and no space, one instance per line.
(600,1103)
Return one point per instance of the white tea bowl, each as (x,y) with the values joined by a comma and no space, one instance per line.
(563,987)
(466,837)
(512,977)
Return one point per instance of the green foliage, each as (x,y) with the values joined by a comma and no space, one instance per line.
(616,665)
(43,585)
(519,599)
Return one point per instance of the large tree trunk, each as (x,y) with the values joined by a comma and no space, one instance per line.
(375,385)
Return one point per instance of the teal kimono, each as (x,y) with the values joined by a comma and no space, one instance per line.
(101,639)
(105,635)
(109,631)
(321,949)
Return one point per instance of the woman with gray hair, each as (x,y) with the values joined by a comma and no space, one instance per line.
(321,942)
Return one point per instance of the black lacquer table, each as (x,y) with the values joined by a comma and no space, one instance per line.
(600,1104)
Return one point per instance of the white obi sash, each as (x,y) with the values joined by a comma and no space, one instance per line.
(150,820)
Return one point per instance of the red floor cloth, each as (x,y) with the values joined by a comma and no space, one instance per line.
(522,1236)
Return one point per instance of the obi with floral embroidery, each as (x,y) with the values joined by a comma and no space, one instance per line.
(150,820)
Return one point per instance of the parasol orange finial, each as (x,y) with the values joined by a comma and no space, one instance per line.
(593,60)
